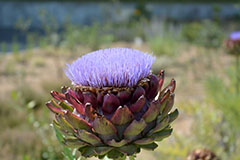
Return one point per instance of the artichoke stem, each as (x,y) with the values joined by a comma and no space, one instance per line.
(237,73)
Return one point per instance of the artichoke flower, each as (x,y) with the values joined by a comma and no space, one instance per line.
(233,48)
(233,43)
(202,154)
(116,106)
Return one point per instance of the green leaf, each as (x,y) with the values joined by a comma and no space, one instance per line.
(114,154)
(132,157)
(128,149)
(151,146)
(87,151)
(67,152)
(162,134)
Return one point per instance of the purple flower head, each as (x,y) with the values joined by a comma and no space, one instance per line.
(118,67)
(235,36)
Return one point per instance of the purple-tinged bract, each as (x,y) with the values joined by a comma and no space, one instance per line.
(118,67)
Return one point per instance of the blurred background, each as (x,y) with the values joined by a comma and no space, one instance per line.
(38,38)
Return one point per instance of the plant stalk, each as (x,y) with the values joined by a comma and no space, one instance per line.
(237,73)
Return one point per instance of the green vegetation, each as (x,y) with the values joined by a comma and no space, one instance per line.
(223,95)
(3,47)
(207,33)
(89,36)
(26,105)
(165,44)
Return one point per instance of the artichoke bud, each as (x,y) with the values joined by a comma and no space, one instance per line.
(116,107)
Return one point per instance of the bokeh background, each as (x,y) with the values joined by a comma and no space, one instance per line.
(38,38)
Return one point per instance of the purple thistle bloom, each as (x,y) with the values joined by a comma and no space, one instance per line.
(119,67)
(235,36)
(116,106)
